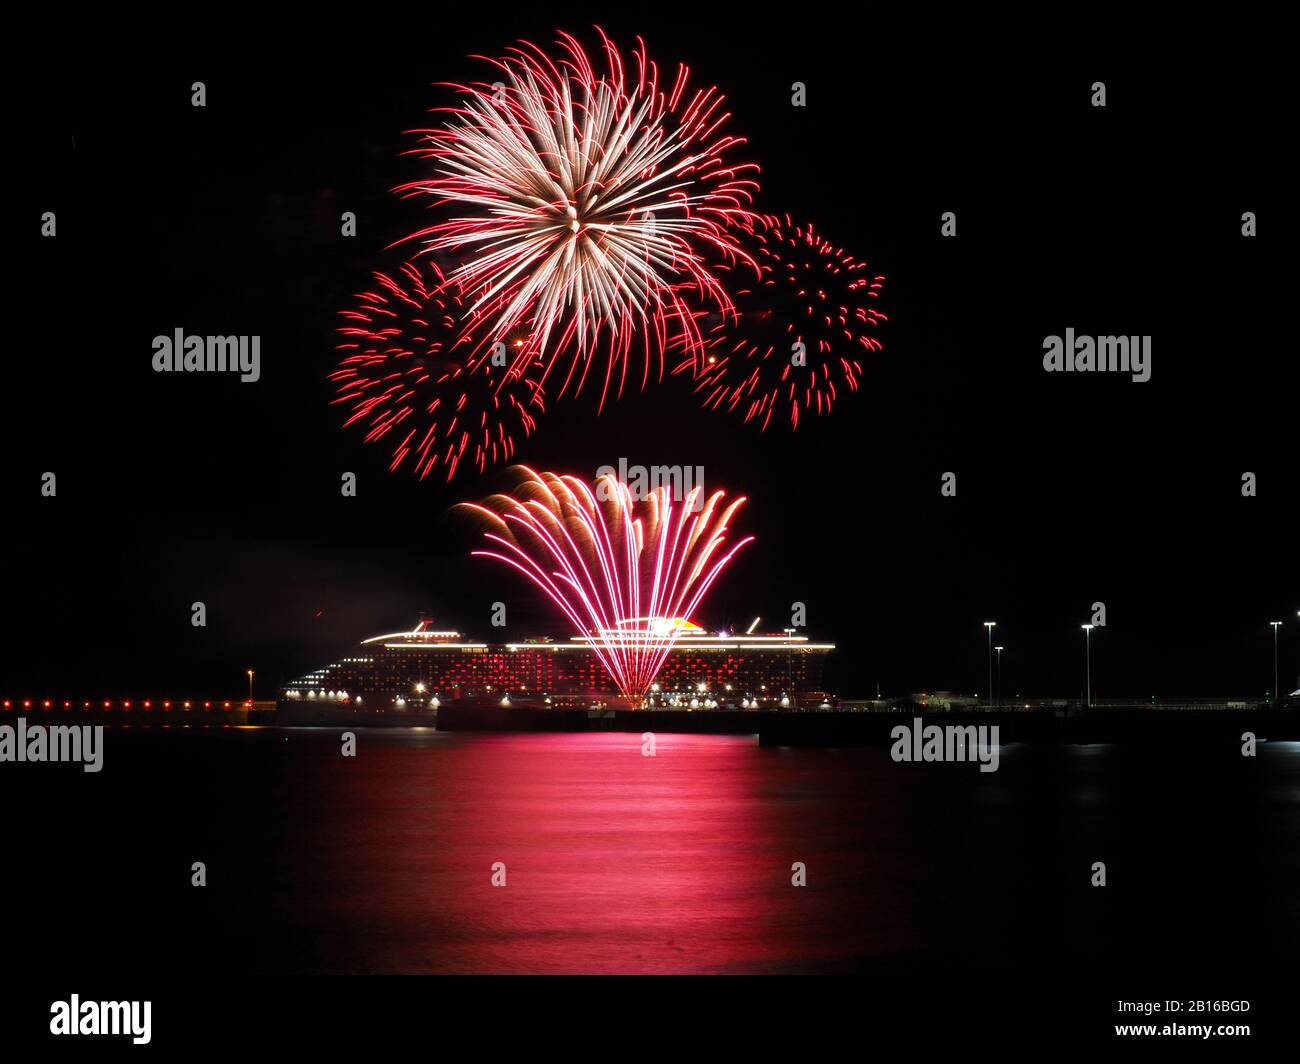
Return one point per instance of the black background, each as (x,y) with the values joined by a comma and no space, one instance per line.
(174,488)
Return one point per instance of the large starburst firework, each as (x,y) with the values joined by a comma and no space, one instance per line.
(799,336)
(584,205)
(420,385)
(625,572)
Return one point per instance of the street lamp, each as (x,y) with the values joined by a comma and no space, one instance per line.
(990,625)
(1276,625)
(250,687)
(1087,652)
(999,687)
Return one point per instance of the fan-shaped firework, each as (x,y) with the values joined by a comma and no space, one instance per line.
(419,385)
(626,572)
(809,293)
(584,205)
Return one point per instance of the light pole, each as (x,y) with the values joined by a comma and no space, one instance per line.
(250,688)
(990,625)
(999,687)
(1276,625)
(1087,657)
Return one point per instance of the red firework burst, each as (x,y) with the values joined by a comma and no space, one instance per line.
(799,335)
(586,206)
(420,384)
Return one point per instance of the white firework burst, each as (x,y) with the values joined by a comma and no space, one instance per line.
(583,205)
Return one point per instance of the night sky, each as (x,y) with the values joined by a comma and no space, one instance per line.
(1072,489)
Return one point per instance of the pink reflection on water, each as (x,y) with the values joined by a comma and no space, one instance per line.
(616,862)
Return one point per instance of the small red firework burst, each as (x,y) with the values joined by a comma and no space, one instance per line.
(419,383)
(799,334)
(584,201)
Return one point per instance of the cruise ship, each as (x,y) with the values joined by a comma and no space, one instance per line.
(416,671)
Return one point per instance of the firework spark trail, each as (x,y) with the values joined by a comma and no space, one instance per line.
(625,572)
(411,377)
(591,206)
(809,292)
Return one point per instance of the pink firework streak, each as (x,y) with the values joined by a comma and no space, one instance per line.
(809,292)
(627,573)
(587,206)
(417,384)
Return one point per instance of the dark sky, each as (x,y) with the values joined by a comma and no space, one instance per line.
(175,488)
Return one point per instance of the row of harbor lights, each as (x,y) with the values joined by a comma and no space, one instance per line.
(1087,652)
